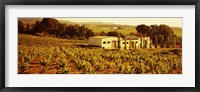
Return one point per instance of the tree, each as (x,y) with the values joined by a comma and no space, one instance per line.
(72,30)
(165,30)
(21,28)
(143,29)
(154,33)
(27,27)
(37,28)
(89,33)
(156,41)
(83,31)
(61,30)
(179,41)
(48,25)
(161,34)
(76,31)
(174,40)
(103,33)
(132,33)
(150,43)
(119,41)
(113,33)
(167,33)
(168,42)
(161,41)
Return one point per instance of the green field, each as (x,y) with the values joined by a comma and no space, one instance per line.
(128,30)
(177,31)
(46,55)
(124,31)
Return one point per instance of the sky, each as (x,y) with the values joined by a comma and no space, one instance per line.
(173,22)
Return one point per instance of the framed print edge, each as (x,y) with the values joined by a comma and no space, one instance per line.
(2,45)
(100,89)
(197,37)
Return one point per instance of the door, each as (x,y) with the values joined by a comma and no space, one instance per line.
(132,45)
(114,43)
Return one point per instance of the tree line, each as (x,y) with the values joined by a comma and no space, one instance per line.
(52,27)
(111,33)
(161,35)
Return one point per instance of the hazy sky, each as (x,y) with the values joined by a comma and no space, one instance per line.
(176,22)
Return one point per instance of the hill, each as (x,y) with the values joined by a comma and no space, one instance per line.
(101,26)
(29,20)
(177,31)
(107,27)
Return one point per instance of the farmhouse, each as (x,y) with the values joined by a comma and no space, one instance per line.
(112,42)
(138,42)
(107,42)
(115,28)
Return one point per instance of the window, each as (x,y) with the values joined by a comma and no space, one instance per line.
(104,42)
(126,42)
(136,42)
(108,42)
(123,42)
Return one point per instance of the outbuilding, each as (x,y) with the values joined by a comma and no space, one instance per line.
(107,42)
(112,42)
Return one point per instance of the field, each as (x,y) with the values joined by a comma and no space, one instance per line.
(46,55)
(127,30)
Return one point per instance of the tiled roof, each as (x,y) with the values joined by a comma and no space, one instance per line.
(132,36)
(101,37)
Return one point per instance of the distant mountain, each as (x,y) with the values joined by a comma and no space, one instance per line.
(95,24)
(115,25)
(29,20)
(85,23)
(98,23)
(67,22)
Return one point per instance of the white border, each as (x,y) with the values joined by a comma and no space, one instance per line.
(187,79)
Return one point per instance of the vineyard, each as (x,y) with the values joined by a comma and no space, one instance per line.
(46,55)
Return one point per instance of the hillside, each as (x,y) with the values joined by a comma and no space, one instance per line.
(101,26)
(29,20)
(47,55)
(177,31)
(31,40)
(107,27)
(127,30)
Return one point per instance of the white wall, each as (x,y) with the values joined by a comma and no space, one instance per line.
(128,45)
(108,46)
(95,41)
